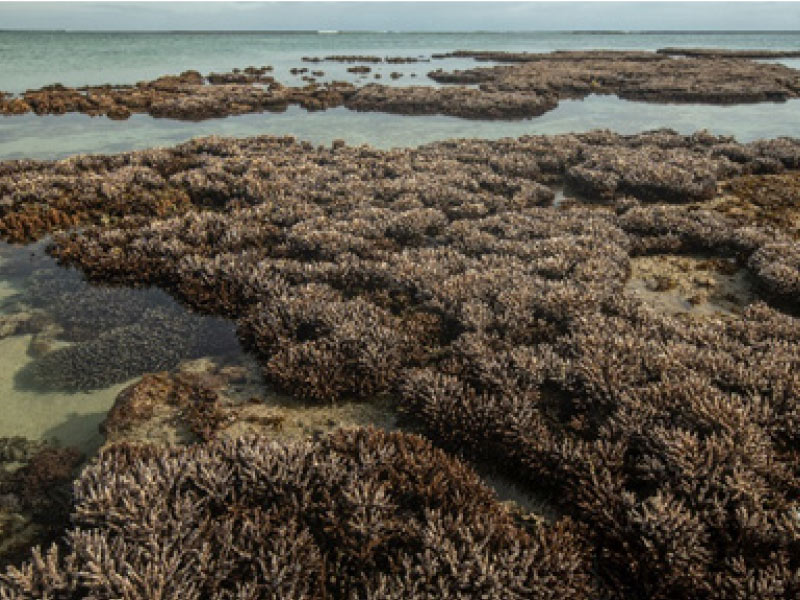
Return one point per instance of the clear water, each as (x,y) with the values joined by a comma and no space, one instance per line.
(94,338)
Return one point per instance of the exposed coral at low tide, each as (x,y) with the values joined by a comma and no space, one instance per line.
(453,101)
(357,514)
(35,495)
(728,53)
(187,96)
(440,279)
(643,76)
(766,199)
(531,86)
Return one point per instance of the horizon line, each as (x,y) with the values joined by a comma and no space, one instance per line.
(347,31)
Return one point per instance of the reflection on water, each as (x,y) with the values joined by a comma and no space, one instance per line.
(68,348)
(53,136)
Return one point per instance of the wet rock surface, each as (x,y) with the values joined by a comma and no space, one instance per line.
(207,399)
(441,281)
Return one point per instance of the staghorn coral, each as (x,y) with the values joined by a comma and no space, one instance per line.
(504,328)
(356,514)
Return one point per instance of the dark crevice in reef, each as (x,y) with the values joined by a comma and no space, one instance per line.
(530,86)
(35,496)
(504,328)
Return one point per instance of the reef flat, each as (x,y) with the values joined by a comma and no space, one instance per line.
(642,76)
(532,85)
(442,280)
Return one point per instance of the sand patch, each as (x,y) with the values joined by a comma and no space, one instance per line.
(72,419)
(690,284)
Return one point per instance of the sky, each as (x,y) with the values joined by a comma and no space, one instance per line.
(401,16)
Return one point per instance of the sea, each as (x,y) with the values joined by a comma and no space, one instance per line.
(31,59)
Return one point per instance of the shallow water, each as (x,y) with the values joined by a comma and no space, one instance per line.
(54,407)
(32,59)
(54,136)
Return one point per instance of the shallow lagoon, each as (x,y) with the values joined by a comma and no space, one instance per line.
(52,136)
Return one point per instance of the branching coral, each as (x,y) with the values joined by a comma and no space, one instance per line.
(358,514)
(436,277)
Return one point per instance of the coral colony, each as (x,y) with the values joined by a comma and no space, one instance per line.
(496,319)
(530,85)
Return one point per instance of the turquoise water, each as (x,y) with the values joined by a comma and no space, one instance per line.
(33,59)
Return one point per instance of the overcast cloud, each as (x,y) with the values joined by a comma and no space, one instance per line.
(401,16)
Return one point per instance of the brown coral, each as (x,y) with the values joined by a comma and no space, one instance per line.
(357,514)
(503,328)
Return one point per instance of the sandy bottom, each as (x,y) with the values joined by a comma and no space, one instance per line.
(693,285)
(70,419)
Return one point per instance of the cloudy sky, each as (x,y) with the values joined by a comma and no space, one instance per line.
(400,16)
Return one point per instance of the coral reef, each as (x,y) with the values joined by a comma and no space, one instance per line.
(772,200)
(357,514)
(453,101)
(642,76)
(441,279)
(728,53)
(188,96)
(35,497)
(531,85)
